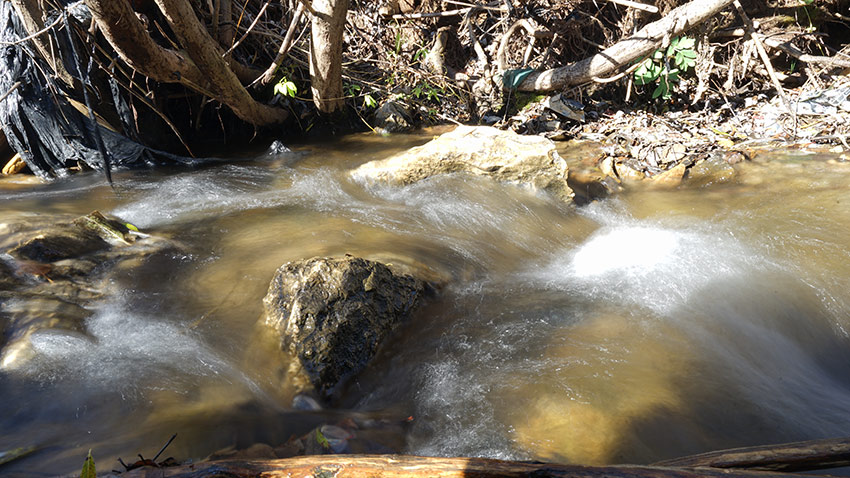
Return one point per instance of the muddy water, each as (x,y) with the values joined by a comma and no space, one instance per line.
(633,329)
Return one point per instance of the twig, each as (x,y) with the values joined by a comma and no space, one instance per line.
(414,16)
(9,92)
(616,77)
(267,75)
(636,5)
(533,31)
(248,31)
(763,54)
(792,50)
(165,446)
(470,30)
(481,7)
(34,35)
(307,6)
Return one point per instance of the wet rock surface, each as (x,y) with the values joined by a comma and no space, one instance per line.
(480,150)
(54,267)
(334,313)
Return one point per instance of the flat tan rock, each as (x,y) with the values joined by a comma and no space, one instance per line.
(480,150)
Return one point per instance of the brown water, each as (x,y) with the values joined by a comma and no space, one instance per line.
(642,327)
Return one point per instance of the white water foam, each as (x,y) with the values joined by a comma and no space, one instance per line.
(127,351)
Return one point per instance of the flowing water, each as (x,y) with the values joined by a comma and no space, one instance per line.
(641,327)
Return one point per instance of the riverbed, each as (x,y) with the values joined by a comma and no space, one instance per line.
(644,326)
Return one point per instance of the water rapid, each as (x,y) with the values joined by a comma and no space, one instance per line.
(641,327)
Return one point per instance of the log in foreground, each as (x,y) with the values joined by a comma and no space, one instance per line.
(787,457)
(403,466)
(627,50)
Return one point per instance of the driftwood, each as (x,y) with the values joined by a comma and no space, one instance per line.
(625,51)
(799,456)
(771,461)
(403,466)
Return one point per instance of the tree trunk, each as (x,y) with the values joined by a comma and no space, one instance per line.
(625,51)
(402,466)
(326,54)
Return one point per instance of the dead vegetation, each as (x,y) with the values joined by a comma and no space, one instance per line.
(407,62)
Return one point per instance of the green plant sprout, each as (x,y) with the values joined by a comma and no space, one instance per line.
(285,87)
(657,67)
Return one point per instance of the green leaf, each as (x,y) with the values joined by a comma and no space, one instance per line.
(88,468)
(647,72)
(285,87)
(369,102)
(685,43)
(689,53)
(320,438)
(672,76)
(658,90)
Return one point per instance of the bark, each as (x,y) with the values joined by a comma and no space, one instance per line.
(326,54)
(800,456)
(225,33)
(29,12)
(208,56)
(123,30)
(400,466)
(627,50)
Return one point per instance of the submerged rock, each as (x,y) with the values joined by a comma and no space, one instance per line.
(53,269)
(479,150)
(333,314)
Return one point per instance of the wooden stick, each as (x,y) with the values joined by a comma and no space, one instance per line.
(268,75)
(625,51)
(14,87)
(250,28)
(636,5)
(414,16)
(403,466)
(763,55)
(792,50)
(799,456)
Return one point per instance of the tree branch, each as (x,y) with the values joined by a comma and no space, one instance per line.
(207,55)
(625,51)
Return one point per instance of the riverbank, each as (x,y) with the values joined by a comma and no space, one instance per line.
(402,65)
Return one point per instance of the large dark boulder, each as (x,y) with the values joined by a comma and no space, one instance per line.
(333,313)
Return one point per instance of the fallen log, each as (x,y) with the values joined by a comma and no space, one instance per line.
(786,457)
(404,466)
(625,51)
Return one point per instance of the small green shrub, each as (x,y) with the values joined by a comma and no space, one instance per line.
(664,66)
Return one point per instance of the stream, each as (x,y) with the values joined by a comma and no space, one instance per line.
(645,326)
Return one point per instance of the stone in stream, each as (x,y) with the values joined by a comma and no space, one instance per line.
(479,150)
(54,267)
(334,313)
